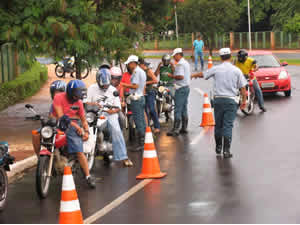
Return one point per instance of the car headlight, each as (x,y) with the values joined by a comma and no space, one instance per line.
(161,89)
(90,117)
(283,75)
(47,132)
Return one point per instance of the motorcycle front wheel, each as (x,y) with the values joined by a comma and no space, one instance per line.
(91,159)
(131,129)
(59,71)
(3,188)
(42,180)
(249,107)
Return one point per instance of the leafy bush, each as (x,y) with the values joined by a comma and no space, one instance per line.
(25,85)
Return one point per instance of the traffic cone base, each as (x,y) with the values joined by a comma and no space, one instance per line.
(150,168)
(207,115)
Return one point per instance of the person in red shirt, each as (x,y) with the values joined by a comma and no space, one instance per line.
(125,79)
(62,104)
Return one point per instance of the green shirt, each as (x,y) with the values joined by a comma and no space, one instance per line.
(164,70)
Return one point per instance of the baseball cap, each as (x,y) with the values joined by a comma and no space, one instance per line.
(132,58)
(224,51)
(176,51)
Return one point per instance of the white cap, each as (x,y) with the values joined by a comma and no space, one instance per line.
(224,51)
(132,58)
(176,51)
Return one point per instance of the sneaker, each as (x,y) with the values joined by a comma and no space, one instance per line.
(263,109)
(128,163)
(91,182)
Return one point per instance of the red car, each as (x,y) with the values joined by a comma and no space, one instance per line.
(271,75)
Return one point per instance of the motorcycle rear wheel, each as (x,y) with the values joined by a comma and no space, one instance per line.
(3,188)
(42,181)
(58,72)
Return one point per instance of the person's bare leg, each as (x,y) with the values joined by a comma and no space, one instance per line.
(83,163)
(36,143)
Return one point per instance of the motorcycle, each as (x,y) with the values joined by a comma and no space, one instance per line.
(97,120)
(250,99)
(67,65)
(164,100)
(54,154)
(129,124)
(5,160)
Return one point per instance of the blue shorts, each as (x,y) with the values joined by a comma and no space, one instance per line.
(74,141)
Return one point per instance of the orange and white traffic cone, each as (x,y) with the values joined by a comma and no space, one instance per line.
(150,168)
(210,63)
(207,115)
(70,212)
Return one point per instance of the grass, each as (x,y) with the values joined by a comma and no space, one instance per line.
(25,85)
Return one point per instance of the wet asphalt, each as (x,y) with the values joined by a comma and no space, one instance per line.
(260,184)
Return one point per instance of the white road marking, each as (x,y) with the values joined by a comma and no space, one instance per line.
(116,202)
(198,138)
(199,91)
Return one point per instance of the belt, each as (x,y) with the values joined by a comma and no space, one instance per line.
(178,86)
(236,99)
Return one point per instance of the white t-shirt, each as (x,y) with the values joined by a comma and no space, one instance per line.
(182,68)
(94,94)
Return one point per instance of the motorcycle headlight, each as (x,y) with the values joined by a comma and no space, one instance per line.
(283,75)
(47,132)
(161,89)
(90,117)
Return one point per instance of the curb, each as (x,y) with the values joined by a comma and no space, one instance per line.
(20,166)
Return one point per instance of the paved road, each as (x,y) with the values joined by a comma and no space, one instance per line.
(259,185)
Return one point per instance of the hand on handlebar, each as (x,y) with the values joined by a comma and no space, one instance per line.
(85,136)
(243,106)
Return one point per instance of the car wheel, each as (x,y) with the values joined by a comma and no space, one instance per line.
(288,93)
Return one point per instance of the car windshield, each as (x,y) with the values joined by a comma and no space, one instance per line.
(266,61)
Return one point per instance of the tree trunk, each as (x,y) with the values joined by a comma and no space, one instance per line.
(78,67)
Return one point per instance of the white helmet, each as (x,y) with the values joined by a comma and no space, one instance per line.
(115,72)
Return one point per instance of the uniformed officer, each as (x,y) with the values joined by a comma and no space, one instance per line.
(182,77)
(137,86)
(228,81)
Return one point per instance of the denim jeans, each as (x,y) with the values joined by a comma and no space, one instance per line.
(138,109)
(118,142)
(225,114)
(150,108)
(200,54)
(258,93)
(181,102)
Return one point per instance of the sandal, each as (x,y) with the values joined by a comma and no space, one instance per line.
(156,131)
(127,163)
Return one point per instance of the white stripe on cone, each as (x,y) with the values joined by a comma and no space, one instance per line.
(149,138)
(207,110)
(206,101)
(150,154)
(68,183)
(69,206)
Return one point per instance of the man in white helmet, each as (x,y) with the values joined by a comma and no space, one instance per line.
(228,81)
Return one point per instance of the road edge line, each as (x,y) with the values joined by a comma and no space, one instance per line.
(20,167)
(118,201)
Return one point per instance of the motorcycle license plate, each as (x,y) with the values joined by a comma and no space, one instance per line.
(268,85)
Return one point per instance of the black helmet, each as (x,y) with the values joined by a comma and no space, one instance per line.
(166,59)
(77,89)
(58,85)
(242,55)
(104,64)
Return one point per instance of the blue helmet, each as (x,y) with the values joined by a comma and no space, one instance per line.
(58,85)
(76,90)
(103,78)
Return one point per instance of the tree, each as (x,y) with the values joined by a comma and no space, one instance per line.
(89,29)
(208,17)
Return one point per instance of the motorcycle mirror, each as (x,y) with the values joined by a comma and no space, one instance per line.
(28,106)
(116,94)
(75,107)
